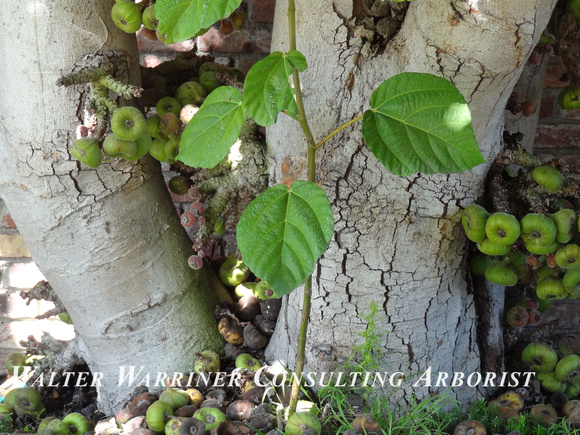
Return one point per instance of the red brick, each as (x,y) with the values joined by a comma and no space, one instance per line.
(548,104)
(6,221)
(557,136)
(263,11)
(244,41)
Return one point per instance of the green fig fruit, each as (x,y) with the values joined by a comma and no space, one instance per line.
(245,289)
(264,291)
(172,149)
(542,250)
(479,263)
(127,16)
(88,151)
(550,288)
(568,256)
(212,417)
(549,177)
(300,421)
(501,274)
(156,415)
(538,230)
(473,220)
(572,390)
(488,247)
(27,401)
(502,228)
(128,123)
(149,19)
(143,145)
(190,93)
(517,261)
(15,360)
(571,282)
(565,221)
(179,184)
(168,105)
(568,369)
(157,149)
(569,98)
(247,361)
(56,427)
(115,147)
(540,357)
(153,127)
(233,271)
(210,81)
(78,421)
(176,398)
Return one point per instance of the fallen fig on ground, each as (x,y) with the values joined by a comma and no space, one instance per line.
(212,417)
(207,362)
(545,413)
(240,410)
(139,404)
(366,425)
(174,397)
(470,427)
(300,421)
(192,426)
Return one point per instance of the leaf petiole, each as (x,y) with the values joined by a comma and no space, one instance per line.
(319,144)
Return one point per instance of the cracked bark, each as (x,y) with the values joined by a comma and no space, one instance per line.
(398,240)
(108,240)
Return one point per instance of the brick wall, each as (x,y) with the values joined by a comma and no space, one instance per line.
(17,273)
(558,132)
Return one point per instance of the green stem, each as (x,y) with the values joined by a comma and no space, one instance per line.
(318,145)
(311,177)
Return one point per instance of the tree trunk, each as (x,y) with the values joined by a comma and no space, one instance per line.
(108,240)
(398,241)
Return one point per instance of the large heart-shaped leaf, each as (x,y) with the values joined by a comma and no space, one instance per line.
(283,232)
(420,123)
(182,19)
(267,90)
(209,135)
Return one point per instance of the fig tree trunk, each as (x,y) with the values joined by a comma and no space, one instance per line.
(398,240)
(108,240)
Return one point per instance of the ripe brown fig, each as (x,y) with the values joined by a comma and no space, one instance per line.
(240,410)
(231,330)
(517,317)
(254,338)
(366,424)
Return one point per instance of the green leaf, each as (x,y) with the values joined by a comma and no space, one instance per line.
(267,90)
(420,123)
(283,232)
(209,135)
(182,19)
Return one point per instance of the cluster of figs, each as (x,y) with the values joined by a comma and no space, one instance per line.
(26,403)
(133,135)
(539,244)
(558,372)
(510,404)
(131,17)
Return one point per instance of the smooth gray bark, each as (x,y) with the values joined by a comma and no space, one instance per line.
(108,240)
(398,240)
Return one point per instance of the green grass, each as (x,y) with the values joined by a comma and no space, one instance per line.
(435,415)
